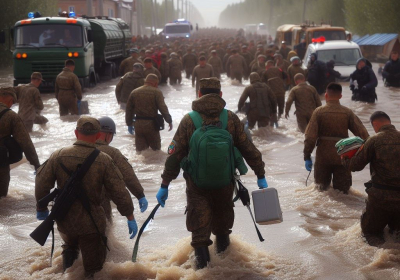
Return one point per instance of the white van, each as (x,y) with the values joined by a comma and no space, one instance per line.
(344,53)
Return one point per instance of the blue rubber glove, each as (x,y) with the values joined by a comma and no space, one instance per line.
(262,183)
(308,164)
(42,215)
(131,130)
(162,195)
(133,228)
(79,106)
(143,204)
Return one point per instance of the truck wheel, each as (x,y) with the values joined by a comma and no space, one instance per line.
(92,79)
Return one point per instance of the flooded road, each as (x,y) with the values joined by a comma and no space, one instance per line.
(320,237)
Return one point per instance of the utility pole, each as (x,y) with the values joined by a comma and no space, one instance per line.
(139,16)
(89,4)
(153,17)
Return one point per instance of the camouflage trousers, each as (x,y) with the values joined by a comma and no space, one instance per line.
(381,211)
(302,122)
(236,75)
(175,80)
(189,73)
(92,248)
(340,177)
(280,100)
(4,180)
(146,136)
(253,118)
(208,211)
(68,104)
(38,120)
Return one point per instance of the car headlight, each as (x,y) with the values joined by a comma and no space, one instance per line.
(187,36)
(167,37)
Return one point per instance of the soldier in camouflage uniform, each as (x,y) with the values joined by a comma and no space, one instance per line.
(143,105)
(208,211)
(164,68)
(259,66)
(189,61)
(382,152)
(107,131)
(77,228)
(12,125)
(306,99)
(236,66)
(175,69)
(248,58)
(329,124)
(30,102)
(68,89)
(150,69)
(201,71)
(274,77)
(127,64)
(262,102)
(216,64)
(129,82)
(294,69)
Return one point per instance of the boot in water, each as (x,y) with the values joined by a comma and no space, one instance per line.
(222,243)
(69,256)
(202,257)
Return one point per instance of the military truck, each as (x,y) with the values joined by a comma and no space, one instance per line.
(42,44)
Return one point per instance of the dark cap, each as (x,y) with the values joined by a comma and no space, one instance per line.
(88,125)
(148,59)
(37,75)
(138,65)
(209,83)
(10,91)
(134,50)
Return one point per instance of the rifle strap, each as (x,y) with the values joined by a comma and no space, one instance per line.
(52,245)
(258,232)
(136,248)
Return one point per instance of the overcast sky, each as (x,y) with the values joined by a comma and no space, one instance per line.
(210,9)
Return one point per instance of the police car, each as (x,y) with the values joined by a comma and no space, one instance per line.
(344,53)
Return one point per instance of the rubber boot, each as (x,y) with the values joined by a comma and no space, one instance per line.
(69,256)
(202,257)
(223,242)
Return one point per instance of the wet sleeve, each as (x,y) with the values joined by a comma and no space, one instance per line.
(129,176)
(77,88)
(118,89)
(115,188)
(178,149)
(162,107)
(250,153)
(289,101)
(373,82)
(361,158)
(130,106)
(243,98)
(45,179)
(38,100)
(24,140)
(386,70)
(357,127)
(318,102)
(311,135)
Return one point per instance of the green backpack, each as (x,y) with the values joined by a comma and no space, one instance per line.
(212,155)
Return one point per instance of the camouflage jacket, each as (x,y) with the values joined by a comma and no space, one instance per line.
(67,84)
(126,65)
(129,82)
(202,72)
(129,176)
(329,124)
(102,174)
(29,101)
(11,124)
(274,78)
(175,67)
(216,64)
(210,106)
(306,99)
(256,67)
(146,101)
(292,71)
(154,71)
(189,61)
(236,63)
(267,104)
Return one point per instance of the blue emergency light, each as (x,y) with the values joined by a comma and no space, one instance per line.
(31,15)
(71,14)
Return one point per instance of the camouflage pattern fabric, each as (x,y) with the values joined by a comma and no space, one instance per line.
(175,70)
(129,82)
(152,70)
(68,90)
(126,65)
(201,72)
(292,71)
(189,61)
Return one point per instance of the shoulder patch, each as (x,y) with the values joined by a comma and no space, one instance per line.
(172,147)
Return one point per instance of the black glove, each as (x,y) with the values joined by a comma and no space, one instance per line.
(364,89)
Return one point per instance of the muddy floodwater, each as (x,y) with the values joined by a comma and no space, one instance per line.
(320,237)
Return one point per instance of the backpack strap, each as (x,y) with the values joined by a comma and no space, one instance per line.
(196,118)
(3,112)
(223,117)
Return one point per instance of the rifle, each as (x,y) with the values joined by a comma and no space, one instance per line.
(64,198)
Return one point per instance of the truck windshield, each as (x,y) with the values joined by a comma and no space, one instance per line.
(48,36)
(342,57)
(176,29)
(330,35)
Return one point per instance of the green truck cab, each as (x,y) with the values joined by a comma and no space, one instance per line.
(97,45)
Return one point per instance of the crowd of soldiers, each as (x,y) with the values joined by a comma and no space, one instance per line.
(203,61)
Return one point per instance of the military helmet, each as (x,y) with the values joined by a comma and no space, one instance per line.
(107,125)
